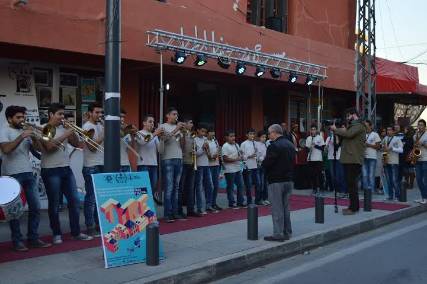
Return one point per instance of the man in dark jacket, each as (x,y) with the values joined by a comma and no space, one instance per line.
(279,168)
(352,155)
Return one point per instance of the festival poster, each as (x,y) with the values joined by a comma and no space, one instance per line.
(125,208)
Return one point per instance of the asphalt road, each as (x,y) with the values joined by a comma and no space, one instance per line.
(395,254)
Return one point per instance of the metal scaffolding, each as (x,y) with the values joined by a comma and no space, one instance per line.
(163,40)
(365,60)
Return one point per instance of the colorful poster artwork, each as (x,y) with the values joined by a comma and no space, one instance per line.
(88,90)
(125,208)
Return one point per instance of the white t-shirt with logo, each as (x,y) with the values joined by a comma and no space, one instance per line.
(95,158)
(214,150)
(147,150)
(330,144)
(18,161)
(372,139)
(423,141)
(202,157)
(248,148)
(232,152)
(59,157)
(172,147)
(314,155)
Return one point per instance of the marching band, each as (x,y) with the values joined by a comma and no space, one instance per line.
(190,164)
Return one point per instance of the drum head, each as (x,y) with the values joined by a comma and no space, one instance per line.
(9,189)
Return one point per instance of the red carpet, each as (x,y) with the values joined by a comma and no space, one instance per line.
(297,202)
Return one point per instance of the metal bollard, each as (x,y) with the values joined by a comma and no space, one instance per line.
(367,200)
(403,194)
(152,249)
(252,222)
(319,203)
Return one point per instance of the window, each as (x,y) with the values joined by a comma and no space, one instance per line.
(273,14)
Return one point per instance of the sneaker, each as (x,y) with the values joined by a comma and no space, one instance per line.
(266,202)
(194,214)
(83,237)
(260,203)
(57,240)
(233,206)
(181,217)
(202,212)
(91,231)
(20,247)
(424,201)
(211,210)
(170,219)
(418,200)
(217,207)
(244,205)
(39,244)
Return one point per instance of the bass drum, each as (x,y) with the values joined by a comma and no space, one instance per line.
(12,199)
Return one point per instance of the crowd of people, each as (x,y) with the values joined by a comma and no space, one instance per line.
(191,161)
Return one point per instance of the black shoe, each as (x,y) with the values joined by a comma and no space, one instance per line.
(181,217)
(233,206)
(20,247)
(244,205)
(217,207)
(274,239)
(211,210)
(170,219)
(259,203)
(91,231)
(39,244)
(194,214)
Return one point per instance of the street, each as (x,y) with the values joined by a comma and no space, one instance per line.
(390,255)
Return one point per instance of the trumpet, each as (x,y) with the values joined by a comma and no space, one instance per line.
(85,135)
(125,130)
(145,137)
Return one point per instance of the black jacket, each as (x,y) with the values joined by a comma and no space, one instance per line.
(279,161)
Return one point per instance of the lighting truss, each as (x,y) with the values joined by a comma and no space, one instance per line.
(163,40)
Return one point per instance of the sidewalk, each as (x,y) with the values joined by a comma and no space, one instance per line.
(205,253)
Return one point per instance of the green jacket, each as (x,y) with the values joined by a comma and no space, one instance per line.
(353,143)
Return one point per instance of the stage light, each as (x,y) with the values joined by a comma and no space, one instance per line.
(179,57)
(309,81)
(275,73)
(259,71)
(293,78)
(200,60)
(224,62)
(168,86)
(240,68)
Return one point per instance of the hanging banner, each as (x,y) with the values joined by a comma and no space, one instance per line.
(125,208)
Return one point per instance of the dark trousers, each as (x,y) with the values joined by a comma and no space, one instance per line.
(315,170)
(352,172)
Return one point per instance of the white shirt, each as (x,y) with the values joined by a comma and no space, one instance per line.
(262,151)
(372,139)
(147,150)
(214,149)
(248,148)
(172,148)
(396,146)
(59,157)
(330,144)
(202,156)
(231,151)
(315,155)
(18,161)
(96,158)
(423,141)
(124,157)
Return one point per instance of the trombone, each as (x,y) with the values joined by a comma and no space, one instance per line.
(85,135)
(46,133)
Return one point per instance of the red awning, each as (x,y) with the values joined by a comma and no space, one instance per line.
(421,90)
(395,77)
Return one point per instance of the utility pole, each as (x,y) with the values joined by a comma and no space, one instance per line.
(112,87)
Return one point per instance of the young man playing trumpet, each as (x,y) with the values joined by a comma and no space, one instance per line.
(392,146)
(147,145)
(93,163)
(250,172)
(214,165)
(15,144)
(58,177)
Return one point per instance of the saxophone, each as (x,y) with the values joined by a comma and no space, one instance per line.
(415,154)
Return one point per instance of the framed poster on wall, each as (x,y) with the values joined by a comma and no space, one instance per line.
(68,97)
(88,90)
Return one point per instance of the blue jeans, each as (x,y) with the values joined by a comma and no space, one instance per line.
(152,173)
(338,177)
(368,174)
(264,183)
(215,170)
(251,177)
(186,189)
(28,184)
(89,209)
(231,179)
(421,175)
(171,173)
(392,176)
(203,180)
(55,181)
(125,169)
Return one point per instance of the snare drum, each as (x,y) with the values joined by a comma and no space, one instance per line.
(12,199)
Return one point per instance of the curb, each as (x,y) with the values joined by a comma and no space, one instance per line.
(230,264)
